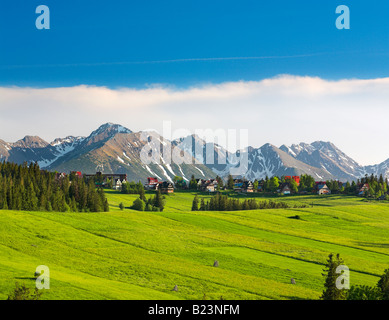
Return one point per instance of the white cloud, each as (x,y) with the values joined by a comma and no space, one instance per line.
(351,113)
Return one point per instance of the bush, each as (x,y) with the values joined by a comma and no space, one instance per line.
(364,293)
(139,205)
(121,206)
(24,293)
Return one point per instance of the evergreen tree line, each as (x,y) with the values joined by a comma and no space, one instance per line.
(133,188)
(26,187)
(378,186)
(193,185)
(307,183)
(224,203)
(332,292)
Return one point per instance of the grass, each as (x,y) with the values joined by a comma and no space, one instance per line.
(143,255)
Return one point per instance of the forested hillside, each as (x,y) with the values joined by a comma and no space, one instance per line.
(27,187)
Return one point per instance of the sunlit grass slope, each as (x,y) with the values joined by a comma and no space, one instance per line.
(143,255)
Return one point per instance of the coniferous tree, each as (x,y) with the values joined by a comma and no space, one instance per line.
(159,201)
(331,292)
(195,203)
(202,205)
(230,183)
(142,194)
(193,183)
(26,187)
(383,285)
(220,183)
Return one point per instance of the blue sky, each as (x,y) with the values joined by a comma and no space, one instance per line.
(116,43)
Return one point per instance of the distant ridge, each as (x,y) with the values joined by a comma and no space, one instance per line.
(117,149)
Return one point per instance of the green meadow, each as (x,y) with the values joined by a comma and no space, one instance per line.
(143,255)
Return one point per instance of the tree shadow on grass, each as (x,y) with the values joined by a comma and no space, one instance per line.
(322,205)
(294,298)
(372,244)
(25,278)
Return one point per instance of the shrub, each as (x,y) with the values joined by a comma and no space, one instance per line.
(24,293)
(364,293)
(139,205)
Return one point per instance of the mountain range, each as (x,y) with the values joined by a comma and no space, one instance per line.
(113,148)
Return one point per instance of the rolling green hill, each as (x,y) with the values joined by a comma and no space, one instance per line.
(143,255)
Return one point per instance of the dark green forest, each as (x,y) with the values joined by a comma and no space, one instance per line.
(27,187)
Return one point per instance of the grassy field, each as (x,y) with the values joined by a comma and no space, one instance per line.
(143,255)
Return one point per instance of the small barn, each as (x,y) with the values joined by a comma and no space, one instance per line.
(323,189)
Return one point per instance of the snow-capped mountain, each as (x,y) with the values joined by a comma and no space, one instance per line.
(211,154)
(111,148)
(257,163)
(28,149)
(382,168)
(60,148)
(321,160)
(327,156)
(116,149)
(4,149)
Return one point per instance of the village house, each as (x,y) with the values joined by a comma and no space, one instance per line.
(238,185)
(243,186)
(117,185)
(260,185)
(101,180)
(207,185)
(362,188)
(77,174)
(285,189)
(248,186)
(60,175)
(322,189)
(199,183)
(152,183)
(166,187)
